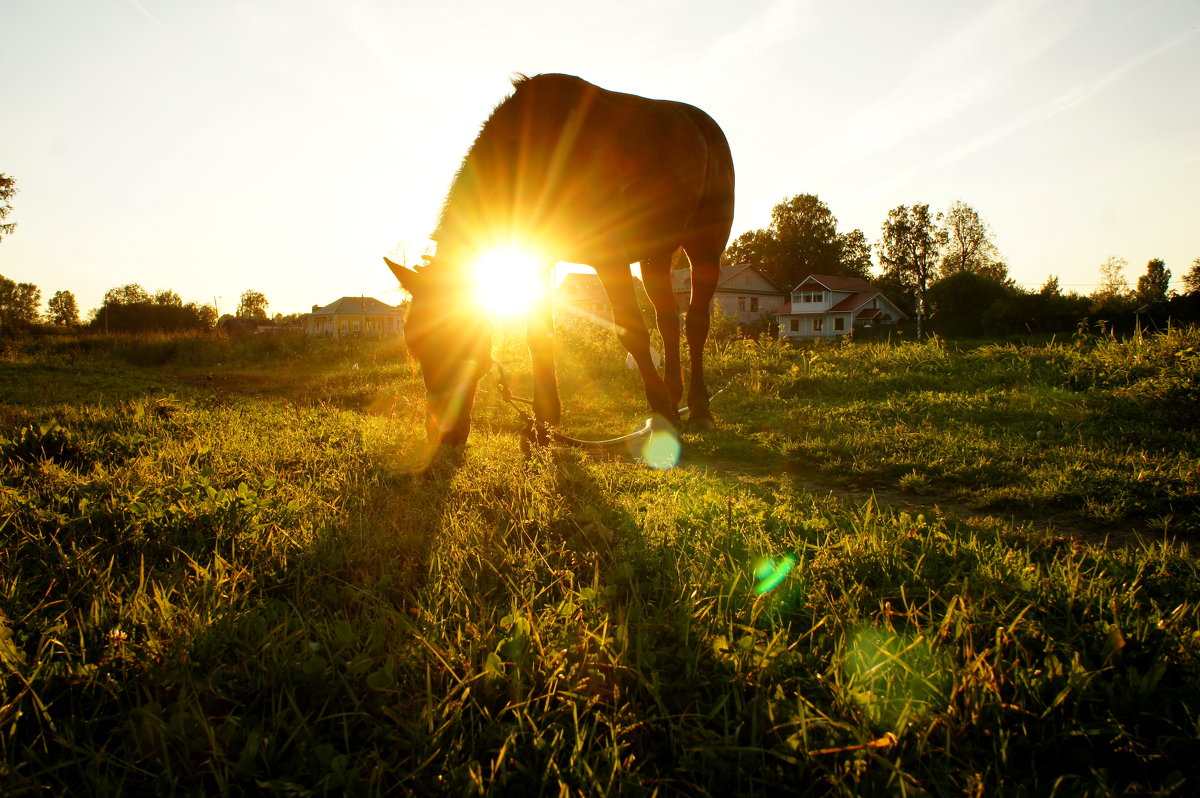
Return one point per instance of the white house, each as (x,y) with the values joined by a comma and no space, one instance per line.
(354,315)
(743,292)
(825,306)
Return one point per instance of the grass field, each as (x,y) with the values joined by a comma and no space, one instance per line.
(914,569)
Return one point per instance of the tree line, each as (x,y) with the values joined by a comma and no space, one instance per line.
(126,309)
(943,268)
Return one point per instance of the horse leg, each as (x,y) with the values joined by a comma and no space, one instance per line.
(631,330)
(539,332)
(656,275)
(706,271)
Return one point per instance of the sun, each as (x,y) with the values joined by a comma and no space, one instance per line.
(507,281)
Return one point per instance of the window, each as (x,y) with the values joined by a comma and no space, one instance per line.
(741,304)
(794,325)
(818,325)
(809,296)
(839,324)
(754,304)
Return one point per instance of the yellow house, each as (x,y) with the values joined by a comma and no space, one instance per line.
(354,316)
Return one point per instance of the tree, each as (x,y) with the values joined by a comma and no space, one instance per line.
(62,309)
(909,251)
(168,299)
(957,303)
(8,187)
(130,309)
(1051,287)
(856,254)
(1191,280)
(207,314)
(802,239)
(131,294)
(18,304)
(1152,286)
(1112,295)
(252,306)
(969,246)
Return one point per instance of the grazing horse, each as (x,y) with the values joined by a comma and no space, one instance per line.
(584,175)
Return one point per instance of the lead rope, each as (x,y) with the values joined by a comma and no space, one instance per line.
(529,430)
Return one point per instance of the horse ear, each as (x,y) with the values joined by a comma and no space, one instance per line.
(410,281)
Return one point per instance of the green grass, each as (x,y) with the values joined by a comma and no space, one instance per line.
(222,573)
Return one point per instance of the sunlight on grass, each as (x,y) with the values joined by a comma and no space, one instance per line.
(894,677)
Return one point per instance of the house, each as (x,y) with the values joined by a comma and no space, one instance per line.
(354,315)
(825,306)
(582,295)
(743,293)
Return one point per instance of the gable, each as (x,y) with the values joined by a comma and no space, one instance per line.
(829,282)
(740,277)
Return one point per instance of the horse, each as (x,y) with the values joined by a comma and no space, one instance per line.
(587,176)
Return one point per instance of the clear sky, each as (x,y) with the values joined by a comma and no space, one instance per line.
(284,145)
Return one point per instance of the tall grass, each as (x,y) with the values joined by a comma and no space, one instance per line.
(243,586)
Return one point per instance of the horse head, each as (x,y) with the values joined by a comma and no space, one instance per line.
(452,341)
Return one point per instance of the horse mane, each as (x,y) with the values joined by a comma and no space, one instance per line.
(502,134)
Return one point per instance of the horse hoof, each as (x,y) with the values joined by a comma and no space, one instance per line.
(701,424)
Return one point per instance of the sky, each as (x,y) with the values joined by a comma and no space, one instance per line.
(284,146)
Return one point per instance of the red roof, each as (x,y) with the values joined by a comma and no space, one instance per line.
(854,301)
(835,283)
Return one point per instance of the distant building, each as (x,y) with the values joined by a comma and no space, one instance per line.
(826,306)
(238,325)
(743,293)
(583,294)
(354,315)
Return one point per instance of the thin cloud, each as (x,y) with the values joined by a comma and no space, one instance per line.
(1069,99)
(147,14)
(776,25)
(968,68)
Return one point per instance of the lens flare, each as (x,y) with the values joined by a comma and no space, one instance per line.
(771,573)
(507,281)
(662,449)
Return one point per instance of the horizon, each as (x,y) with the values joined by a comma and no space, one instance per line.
(286,148)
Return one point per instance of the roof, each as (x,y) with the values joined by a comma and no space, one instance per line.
(580,287)
(355,306)
(854,301)
(681,279)
(836,283)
